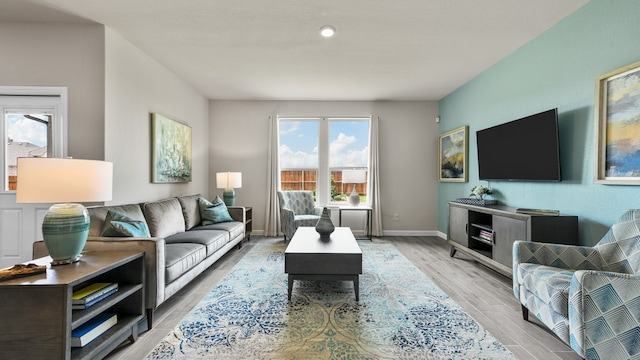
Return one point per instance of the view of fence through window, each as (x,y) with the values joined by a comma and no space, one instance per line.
(347,141)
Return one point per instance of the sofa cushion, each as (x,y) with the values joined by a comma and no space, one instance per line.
(164,217)
(116,224)
(234,228)
(212,239)
(549,284)
(190,210)
(180,257)
(99,213)
(213,212)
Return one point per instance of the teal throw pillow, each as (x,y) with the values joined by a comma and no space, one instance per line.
(213,213)
(118,225)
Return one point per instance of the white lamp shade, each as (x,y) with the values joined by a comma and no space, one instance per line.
(354,176)
(54,180)
(228,180)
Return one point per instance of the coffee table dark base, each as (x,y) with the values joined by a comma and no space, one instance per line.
(354,278)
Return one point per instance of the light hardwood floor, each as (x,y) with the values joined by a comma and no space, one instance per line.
(484,294)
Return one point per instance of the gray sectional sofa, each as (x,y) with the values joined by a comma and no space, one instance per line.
(179,248)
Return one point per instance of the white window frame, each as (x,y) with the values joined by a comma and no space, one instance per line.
(323,178)
(55,100)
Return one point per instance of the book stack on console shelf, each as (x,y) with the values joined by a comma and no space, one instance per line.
(92,329)
(89,295)
(538,212)
(486,235)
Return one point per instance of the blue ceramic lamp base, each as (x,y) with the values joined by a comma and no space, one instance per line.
(229,197)
(65,228)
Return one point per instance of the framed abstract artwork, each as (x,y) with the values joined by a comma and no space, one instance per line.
(170,150)
(618,126)
(452,155)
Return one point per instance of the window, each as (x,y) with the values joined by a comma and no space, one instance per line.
(29,130)
(298,153)
(314,153)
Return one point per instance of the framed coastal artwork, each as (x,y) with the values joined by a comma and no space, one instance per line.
(170,150)
(452,155)
(618,126)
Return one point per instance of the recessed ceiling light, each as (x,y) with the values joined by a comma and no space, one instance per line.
(327,31)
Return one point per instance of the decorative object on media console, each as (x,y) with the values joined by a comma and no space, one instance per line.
(618,121)
(229,181)
(170,150)
(325,226)
(480,191)
(452,155)
(66,181)
(354,177)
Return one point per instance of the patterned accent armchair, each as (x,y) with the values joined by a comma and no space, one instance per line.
(588,296)
(297,208)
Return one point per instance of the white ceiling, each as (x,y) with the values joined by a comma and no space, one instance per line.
(271,49)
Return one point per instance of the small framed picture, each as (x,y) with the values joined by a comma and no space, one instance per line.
(618,126)
(452,155)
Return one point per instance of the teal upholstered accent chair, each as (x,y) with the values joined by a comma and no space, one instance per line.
(297,208)
(588,296)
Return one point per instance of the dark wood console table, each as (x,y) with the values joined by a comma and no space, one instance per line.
(37,315)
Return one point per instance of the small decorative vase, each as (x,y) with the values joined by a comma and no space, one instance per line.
(325,227)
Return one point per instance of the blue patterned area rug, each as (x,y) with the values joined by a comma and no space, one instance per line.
(401,315)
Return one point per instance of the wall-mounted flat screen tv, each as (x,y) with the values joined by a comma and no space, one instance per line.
(527,149)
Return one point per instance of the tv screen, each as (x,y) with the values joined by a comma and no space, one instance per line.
(526,149)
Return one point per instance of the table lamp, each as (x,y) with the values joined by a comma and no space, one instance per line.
(229,181)
(354,177)
(65,181)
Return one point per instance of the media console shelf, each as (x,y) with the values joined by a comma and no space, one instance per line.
(487,233)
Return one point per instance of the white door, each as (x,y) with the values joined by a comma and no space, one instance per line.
(32,125)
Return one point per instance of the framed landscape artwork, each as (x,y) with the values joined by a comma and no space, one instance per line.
(452,155)
(170,150)
(618,126)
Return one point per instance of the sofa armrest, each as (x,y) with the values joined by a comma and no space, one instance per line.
(154,260)
(238,213)
(601,300)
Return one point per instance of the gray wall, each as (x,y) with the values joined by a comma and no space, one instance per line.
(113,86)
(65,55)
(137,85)
(408,146)
(557,69)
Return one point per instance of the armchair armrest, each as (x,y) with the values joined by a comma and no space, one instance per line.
(600,300)
(570,257)
(318,210)
(287,216)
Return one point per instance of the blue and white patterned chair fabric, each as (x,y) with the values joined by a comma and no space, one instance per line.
(588,296)
(297,208)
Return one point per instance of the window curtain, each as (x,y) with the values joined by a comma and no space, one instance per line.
(272,213)
(374,179)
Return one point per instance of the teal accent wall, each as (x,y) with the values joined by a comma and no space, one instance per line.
(558,69)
